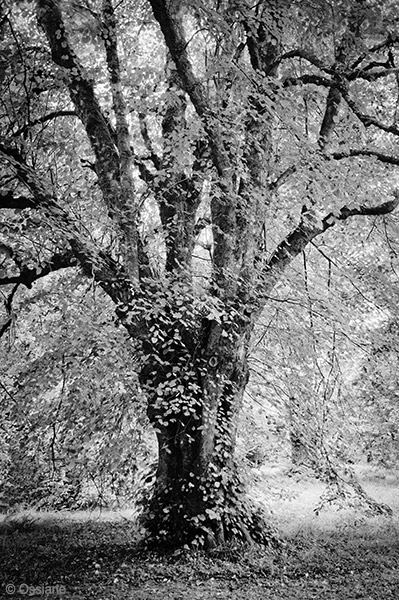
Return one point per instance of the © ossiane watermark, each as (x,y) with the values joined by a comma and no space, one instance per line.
(24,589)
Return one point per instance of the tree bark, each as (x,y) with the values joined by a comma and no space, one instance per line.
(197,496)
(303,438)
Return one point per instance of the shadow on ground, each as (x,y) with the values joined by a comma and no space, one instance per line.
(340,556)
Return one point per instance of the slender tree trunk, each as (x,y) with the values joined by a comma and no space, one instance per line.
(304,437)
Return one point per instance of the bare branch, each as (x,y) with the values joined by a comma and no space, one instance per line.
(53,115)
(9,200)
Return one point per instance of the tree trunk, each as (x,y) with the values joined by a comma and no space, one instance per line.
(194,401)
(304,437)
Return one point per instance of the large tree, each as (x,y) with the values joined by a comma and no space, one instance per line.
(137,135)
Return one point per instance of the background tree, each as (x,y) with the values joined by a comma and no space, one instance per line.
(249,130)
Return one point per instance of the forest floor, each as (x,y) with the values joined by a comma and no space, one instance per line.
(338,555)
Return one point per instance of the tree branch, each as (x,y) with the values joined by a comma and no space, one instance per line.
(360,74)
(308,78)
(364,152)
(366,119)
(146,175)
(353,152)
(224,204)
(110,275)
(173,33)
(28,275)
(119,105)
(8,307)
(53,115)
(388,43)
(112,166)
(9,200)
(81,90)
(308,56)
(128,215)
(147,141)
(282,178)
(345,212)
(307,229)
(330,114)
(262,42)
(5,326)
(334,97)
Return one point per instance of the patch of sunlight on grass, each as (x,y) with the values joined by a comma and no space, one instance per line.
(76,516)
(292,501)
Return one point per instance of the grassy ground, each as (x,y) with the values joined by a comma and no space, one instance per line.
(340,555)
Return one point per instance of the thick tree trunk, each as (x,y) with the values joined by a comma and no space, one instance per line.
(194,408)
